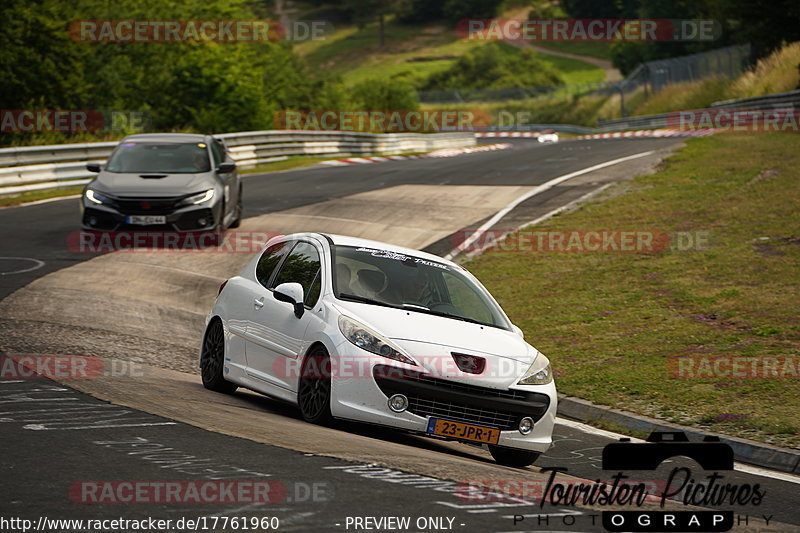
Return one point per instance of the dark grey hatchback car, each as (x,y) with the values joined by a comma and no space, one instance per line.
(164,181)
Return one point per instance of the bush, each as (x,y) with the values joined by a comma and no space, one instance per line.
(384,95)
(494,66)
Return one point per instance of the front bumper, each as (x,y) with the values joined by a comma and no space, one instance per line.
(365,398)
(113,217)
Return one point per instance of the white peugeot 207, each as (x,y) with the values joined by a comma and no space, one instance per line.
(352,329)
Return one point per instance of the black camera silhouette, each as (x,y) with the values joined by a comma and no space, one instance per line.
(709,453)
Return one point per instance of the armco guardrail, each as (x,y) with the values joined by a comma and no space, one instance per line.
(643,122)
(788,100)
(567,128)
(41,167)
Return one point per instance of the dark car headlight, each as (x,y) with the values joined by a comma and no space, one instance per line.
(97,197)
(197,199)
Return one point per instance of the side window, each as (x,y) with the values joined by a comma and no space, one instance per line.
(313,293)
(269,260)
(301,266)
(217,153)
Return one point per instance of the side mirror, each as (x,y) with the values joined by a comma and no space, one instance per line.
(518,331)
(93,167)
(226,167)
(291,293)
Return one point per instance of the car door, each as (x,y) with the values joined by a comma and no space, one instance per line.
(276,336)
(230,180)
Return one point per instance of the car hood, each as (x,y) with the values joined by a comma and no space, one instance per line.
(430,340)
(129,184)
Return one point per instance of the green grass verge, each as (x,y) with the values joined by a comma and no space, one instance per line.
(286,164)
(599,50)
(575,71)
(611,322)
(33,196)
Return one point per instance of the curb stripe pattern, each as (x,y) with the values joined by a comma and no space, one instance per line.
(445,152)
(664,132)
(703,132)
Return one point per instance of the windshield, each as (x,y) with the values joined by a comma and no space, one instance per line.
(383,277)
(171,158)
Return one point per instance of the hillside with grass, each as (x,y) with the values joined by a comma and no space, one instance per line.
(423,54)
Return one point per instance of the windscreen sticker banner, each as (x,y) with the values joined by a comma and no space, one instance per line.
(388,254)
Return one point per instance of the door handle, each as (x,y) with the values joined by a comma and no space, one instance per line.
(259,302)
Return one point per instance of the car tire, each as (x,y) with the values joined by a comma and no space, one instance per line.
(314,387)
(212,360)
(238,220)
(511,457)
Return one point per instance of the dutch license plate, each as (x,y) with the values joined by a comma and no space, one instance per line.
(461,431)
(145,220)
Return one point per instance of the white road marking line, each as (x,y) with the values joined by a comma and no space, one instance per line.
(43,427)
(37,265)
(739,467)
(536,221)
(537,190)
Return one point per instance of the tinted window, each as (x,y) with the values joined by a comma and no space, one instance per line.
(269,260)
(217,153)
(407,282)
(313,294)
(159,157)
(301,266)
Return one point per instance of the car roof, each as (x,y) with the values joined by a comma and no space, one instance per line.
(168,137)
(345,240)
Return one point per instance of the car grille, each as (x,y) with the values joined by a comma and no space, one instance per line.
(439,398)
(462,413)
(147,206)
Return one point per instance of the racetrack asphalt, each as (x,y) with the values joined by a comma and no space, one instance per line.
(39,464)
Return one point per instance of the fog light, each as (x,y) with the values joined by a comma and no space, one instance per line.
(92,221)
(398,403)
(202,221)
(526,425)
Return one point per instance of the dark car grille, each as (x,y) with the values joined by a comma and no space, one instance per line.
(439,398)
(147,206)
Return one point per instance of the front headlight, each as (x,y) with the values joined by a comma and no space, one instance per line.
(96,197)
(539,373)
(198,198)
(369,340)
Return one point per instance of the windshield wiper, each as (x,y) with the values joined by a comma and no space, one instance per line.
(426,310)
(365,300)
(412,307)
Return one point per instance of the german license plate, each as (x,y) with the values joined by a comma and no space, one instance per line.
(461,431)
(145,220)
